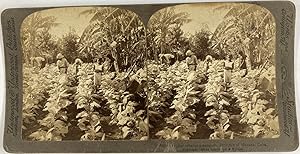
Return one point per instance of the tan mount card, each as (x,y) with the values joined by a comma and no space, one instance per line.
(199,77)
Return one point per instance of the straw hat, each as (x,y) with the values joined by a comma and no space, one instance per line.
(208,58)
(78,61)
(189,53)
(59,56)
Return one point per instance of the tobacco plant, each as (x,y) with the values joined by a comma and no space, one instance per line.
(55,125)
(258,107)
(128,110)
(89,120)
(175,93)
(215,97)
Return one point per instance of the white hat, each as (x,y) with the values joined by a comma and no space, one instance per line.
(78,61)
(208,58)
(59,56)
(189,53)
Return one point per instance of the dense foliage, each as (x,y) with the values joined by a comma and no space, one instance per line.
(141,97)
(182,104)
(56,106)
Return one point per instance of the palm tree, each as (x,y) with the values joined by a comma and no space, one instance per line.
(32,27)
(248,28)
(109,25)
(159,27)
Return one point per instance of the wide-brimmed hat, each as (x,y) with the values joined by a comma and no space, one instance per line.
(78,61)
(208,58)
(59,56)
(189,53)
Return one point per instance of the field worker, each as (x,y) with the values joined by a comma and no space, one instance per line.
(179,55)
(77,64)
(191,60)
(207,62)
(98,70)
(62,63)
(243,65)
(40,62)
(228,67)
(114,54)
(168,59)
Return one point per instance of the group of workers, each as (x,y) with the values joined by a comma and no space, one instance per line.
(192,62)
(102,65)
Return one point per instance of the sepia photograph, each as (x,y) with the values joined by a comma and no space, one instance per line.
(211,72)
(83,75)
(150,78)
(195,71)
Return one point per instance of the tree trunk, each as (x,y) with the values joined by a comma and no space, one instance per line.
(115,56)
